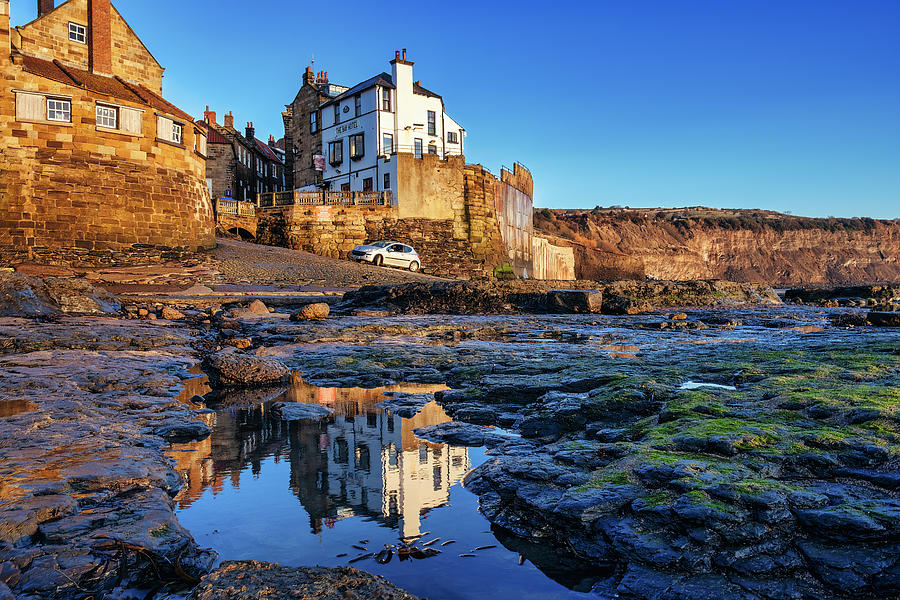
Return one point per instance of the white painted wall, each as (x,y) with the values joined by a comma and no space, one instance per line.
(406,121)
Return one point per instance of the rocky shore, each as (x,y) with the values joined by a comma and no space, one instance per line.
(742,450)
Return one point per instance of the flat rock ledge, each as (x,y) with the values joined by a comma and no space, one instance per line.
(246,580)
(561,297)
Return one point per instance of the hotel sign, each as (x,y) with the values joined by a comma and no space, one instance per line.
(345,127)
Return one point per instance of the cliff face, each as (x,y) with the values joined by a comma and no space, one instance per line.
(744,246)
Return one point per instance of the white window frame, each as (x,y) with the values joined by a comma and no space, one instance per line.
(59,107)
(387,143)
(452,137)
(103,120)
(313,121)
(77,32)
(177,133)
(386,99)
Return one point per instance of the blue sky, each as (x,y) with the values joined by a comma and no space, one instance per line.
(790,105)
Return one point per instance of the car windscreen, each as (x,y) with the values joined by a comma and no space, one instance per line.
(380,244)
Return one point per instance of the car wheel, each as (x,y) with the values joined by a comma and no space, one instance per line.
(413,266)
(377,260)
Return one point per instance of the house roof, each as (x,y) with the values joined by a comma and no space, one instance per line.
(115,87)
(264,148)
(212,134)
(384,80)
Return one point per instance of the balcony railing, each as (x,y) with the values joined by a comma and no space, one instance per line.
(325,198)
(236,208)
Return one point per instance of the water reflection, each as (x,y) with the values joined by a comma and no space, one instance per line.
(360,461)
(11,408)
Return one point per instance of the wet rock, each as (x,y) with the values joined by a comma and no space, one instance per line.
(242,580)
(463,434)
(884,319)
(179,430)
(78,296)
(589,504)
(22,517)
(405,405)
(19,298)
(622,305)
(312,312)
(231,368)
(679,316)
(298,411)
(575,301)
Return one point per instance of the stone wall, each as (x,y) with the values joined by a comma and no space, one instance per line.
(297,132)
(220,168)
(429,187)
(72,189)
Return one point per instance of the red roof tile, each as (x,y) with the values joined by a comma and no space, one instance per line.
(213,136)
(264,148)
(110,86)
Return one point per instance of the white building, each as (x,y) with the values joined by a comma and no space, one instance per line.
(365,127)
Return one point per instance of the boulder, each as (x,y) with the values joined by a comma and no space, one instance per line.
(231,368)
(240,343)
(298,411)
(884,319)
(172,314)
(312,312)
(623,305)
(258,307)
(575,301)
(178,430)
(78,296)
(464,434)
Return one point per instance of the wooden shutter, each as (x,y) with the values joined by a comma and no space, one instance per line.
(30,107)
(164,128)
(202,145)
(131,120)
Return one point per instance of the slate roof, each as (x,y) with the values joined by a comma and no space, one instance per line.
(384,80)
(115,87)
(268,152)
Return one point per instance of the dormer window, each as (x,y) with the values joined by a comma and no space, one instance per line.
(77,33)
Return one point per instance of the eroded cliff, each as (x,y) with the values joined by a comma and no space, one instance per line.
(738,245)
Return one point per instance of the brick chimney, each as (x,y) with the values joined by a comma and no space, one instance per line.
(308,77)
(229,120)
(322,78)
(4,31)
(271,141)
(209,115)
(251,132)
(44,6)
(101,36)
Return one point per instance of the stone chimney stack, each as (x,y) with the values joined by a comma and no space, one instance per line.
(209,116)
(271,141)
(308,77)
(5,47)
(44,6)
(322,78)
(229,120)
(251,132)
(100,36)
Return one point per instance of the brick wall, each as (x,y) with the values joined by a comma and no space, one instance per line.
(220,168)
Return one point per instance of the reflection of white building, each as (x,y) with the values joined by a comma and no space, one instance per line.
(365,127)
(376,463)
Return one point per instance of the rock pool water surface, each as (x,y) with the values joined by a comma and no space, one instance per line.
(329,491)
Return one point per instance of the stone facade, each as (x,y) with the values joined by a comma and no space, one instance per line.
(73,187)
(300,143)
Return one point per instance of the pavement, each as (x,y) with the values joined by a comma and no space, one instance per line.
(237,271)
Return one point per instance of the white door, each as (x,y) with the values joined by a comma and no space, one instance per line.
(395,256)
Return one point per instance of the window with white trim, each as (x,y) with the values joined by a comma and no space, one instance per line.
(107,116)
(386,99)
(452,137)
(313,122)
(387,143)
(417,147)
(357,146)
(168,130)
(336,152)
(337,113)
(77,33)
(59,110)
(432,122)
(177,132)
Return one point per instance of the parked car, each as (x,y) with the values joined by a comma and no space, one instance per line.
(388,253)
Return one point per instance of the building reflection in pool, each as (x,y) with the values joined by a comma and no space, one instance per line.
(362,460)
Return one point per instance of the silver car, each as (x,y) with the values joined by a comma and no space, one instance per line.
(388,253)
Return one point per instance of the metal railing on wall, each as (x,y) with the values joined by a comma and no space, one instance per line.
(324,198)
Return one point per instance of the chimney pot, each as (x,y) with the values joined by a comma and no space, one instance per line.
(404,54)
(397,55)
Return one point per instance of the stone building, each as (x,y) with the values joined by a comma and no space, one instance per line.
(303,128)
(240,166)
(95,166)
